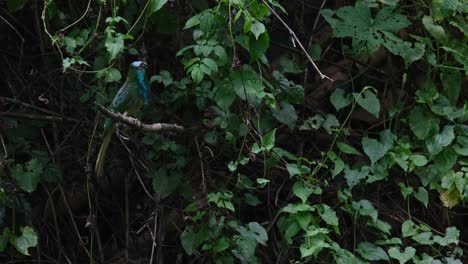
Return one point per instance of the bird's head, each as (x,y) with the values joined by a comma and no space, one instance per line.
(139,65)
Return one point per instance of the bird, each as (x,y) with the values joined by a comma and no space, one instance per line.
(130,98)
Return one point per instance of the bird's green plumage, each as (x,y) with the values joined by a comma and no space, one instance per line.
(129,99)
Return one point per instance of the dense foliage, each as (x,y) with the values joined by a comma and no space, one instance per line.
(363,160)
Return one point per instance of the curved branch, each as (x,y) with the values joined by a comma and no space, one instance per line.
(133,122)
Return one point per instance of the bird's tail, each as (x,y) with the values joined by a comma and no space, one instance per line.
(103,150)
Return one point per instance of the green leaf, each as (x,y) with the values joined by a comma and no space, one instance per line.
(247,85)
(313,246)
(348,149)
(165,181)
(258,46)
(155,5)
(452,235)
(190,240)
(286,114)
(114,46)
(419,160)
(436,144)
(193,21)
(268,140)
(339,163)
(422,122)
(408,229)
(365,208)
(295,208)
(224,95)
(328,215)
(422,195)
(211,64)
(368,100)
(452,83)
(423,238)
(27,239)
(109,74)
(15,5)
(354,177)
(257,28)
(302,191)
(402,257)
(436,31)
(375,149)
(27,176)
(445,160)
(197,74)
(372,252)
(339,99)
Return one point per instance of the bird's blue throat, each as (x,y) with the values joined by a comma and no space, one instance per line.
(142,88)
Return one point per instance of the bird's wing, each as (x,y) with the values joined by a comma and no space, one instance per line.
(121,100)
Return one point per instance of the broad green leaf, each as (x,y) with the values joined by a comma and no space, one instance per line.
(348,149)
(211,64)
(295,208)
(423,238)
(15,5)
(114,46)
(422,122)
(365,208)
(375,149)
(247,85)
(445,160)
(372,252)
(452,82)
(257,28)
(302,191)
(110,75)
(404,256)
(328,215)
(354,177)
(27,175)
(436,144)
(27,239)
(368,100)
(190,240)
(268,140)
(408,229)
(461,148)
(258,232)
(224,95)
(419,160)
(258,46)
(339,163)
(165,181)
(422,195)
(340,99)
(193,21)
(452,235)
(313,246)
(435,30)
(286,114)
(197,74)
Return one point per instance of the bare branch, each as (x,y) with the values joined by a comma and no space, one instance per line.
(133,122)
(293,35)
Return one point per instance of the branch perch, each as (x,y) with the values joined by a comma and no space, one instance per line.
(133,122)
(293,35)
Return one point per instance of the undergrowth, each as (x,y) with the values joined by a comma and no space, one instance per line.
(277,163)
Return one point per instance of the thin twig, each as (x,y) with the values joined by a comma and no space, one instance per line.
(15,101)
(133,122)
(323,76)
(32,116)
